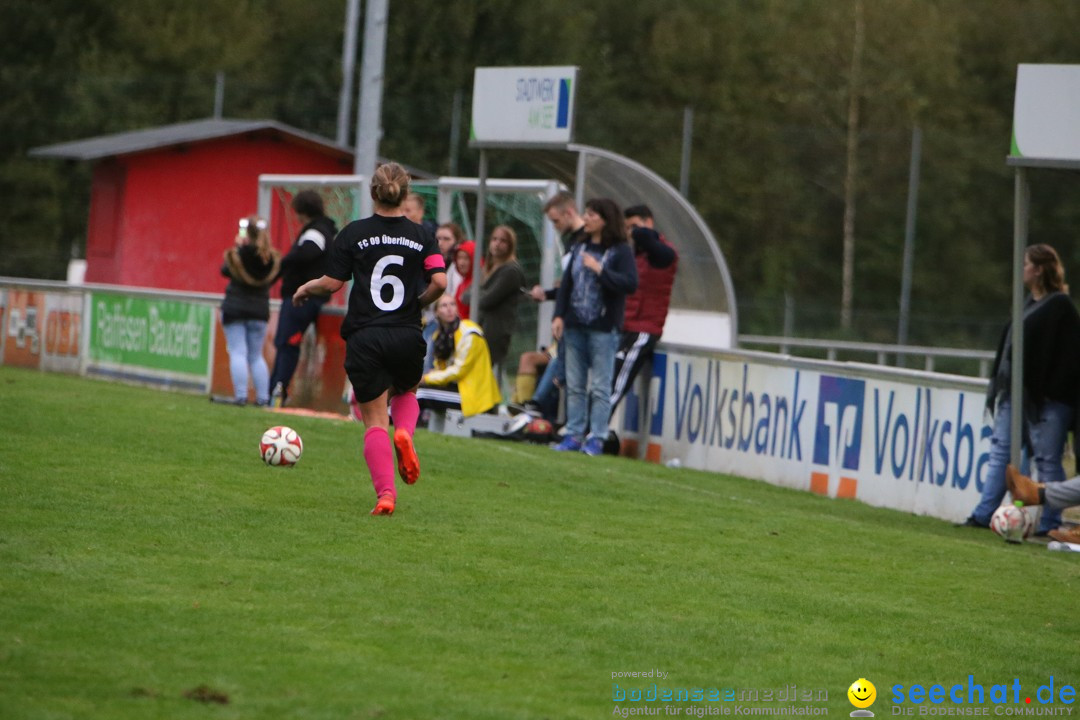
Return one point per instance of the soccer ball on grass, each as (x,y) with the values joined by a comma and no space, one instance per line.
(1013,523)
(281,446)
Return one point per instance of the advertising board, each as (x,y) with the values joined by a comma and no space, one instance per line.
(161,341)
(911,442)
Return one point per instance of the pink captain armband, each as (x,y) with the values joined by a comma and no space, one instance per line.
(432,262)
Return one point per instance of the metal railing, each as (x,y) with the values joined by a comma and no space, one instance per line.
(882,351)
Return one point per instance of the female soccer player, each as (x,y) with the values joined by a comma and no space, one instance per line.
(396,269)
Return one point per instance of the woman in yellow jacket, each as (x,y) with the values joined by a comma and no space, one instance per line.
(462,376)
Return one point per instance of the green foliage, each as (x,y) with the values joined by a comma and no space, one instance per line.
(768,81)
(148,552)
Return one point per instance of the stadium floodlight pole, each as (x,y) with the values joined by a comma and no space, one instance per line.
(478,255)
(369,114)
(219,94)
(909,236)
(348,64)
(687,144)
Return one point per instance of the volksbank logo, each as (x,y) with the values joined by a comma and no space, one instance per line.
(838,436)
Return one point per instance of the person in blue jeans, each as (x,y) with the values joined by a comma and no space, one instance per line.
(1051,385)
(546,398)
(561,212)
(251,266)
(588,321)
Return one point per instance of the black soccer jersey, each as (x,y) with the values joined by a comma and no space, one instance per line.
(390,261)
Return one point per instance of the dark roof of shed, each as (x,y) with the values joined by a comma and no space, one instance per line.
(135,141)
(125,143)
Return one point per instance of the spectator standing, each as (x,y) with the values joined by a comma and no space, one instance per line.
(415,208)
(647,308)
(1051,384)
(541,397)
(561,211)
(500,291)
(251,266)
(463,261)
(588,318)
(305,261)
(462,377)
(450,236)
(396,269)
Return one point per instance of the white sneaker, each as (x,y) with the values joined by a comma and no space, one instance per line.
(518,424)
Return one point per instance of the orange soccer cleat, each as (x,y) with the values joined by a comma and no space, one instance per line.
(408,465)
(385,506)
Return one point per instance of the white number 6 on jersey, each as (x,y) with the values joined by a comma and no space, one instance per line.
(378,281)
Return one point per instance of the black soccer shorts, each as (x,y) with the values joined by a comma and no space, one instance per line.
(379,358)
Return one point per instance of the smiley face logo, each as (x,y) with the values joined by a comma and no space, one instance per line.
(862,693)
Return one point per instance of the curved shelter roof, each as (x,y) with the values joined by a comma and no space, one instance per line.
(703,309)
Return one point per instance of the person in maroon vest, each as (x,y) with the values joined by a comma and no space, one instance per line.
(647,309)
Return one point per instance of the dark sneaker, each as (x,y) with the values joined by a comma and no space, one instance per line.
(593,446)
(226,400)
(569,444)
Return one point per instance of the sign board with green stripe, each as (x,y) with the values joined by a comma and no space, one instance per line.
(153,339)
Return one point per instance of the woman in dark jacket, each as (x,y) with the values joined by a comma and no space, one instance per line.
(1051,384)
(251,266)
(588,320)
(500,291)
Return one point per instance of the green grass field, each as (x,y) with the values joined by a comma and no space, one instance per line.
(146,552)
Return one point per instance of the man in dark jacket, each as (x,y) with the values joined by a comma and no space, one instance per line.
(304,261)
(647,308)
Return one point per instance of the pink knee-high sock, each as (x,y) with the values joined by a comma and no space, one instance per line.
(380,461)
(405,411)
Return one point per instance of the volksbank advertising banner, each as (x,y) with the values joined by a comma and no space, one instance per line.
(150,339)
(905,440)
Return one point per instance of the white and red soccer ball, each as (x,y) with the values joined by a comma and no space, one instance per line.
(1013,523)
(281,446)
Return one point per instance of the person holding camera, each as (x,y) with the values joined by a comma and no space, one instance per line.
(251,266)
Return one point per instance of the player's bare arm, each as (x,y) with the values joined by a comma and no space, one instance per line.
(325,285)
(434,290)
